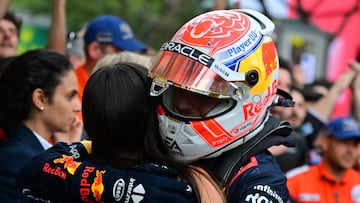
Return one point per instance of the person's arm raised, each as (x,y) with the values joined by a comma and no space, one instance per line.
(355,88)
(325,105)
(4,5)
(57,32)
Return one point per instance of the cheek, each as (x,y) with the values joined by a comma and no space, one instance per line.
(15,39)
(205,107)
(64,108)
(176,100)
(286,112)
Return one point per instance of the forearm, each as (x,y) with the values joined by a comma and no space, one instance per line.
(356,104)
(4,5)
(355,87)
(57,33)
(325,105)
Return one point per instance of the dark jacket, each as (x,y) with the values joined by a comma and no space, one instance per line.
(18,149)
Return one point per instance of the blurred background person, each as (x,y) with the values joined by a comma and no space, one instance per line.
(334,179)
(292,157)
(38,97)
(10,28)
(105,34)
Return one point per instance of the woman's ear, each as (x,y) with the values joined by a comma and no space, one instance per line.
(39,99)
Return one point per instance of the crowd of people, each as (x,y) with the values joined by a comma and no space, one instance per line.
(209,117)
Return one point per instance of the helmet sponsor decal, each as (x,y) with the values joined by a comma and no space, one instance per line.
(254,107)
(188,51)
(269,56)
(241,50)
(212,132)
(171,144)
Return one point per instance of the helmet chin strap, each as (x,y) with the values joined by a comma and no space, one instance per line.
(231,161)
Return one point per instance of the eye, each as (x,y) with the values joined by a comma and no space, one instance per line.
(72,95)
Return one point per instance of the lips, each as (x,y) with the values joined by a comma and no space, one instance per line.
(5,45)
(72,121)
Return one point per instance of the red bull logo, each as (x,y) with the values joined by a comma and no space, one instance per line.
(69,164)
(269,55)
(251,109)
(54,171)
(84,183)
(97,187)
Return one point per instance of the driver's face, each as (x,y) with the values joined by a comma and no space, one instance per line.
(191,104)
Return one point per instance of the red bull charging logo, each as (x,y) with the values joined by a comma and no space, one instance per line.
(97,188)
(69,164)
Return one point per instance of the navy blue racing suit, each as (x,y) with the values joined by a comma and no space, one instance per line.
(250,171)
(255,177)
(261,180)
(64,173)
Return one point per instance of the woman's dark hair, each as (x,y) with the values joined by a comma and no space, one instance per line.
(120,118)
(4,63)
(119,113)
(34,69)
(309,90)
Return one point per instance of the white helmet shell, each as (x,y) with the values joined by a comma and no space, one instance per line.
(225,54)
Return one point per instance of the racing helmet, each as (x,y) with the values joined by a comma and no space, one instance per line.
(224,54)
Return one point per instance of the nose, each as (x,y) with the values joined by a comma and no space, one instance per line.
(77,107)
(6,33)
(182,102)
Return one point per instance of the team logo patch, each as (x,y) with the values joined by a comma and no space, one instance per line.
(118,189)
(260,197)
(69,164)
(97,187)
(134,192)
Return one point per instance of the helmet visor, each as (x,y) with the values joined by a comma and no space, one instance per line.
(189,73)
